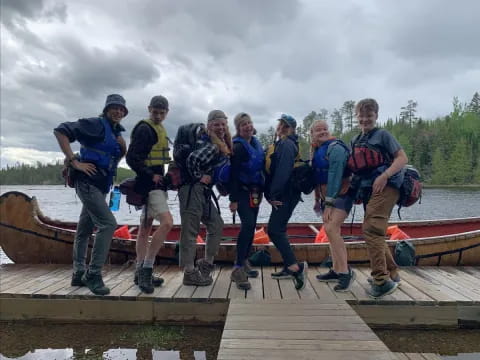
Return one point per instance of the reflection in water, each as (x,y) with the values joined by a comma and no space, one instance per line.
(38,341)
(112,354)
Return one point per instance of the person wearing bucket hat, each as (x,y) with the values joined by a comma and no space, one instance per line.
(102,147)
(284,197)
(207,165)
(246,188)
(147,155)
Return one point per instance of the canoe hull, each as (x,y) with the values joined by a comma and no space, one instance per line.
(27,236)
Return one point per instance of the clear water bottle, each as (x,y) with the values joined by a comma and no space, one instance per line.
(115,196)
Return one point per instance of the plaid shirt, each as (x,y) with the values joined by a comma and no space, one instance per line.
(202,160)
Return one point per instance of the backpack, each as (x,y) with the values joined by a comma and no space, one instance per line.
(127,187)
(303,177)
(185,142)
(411,188)
(404,253)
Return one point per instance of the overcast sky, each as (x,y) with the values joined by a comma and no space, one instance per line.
(59,60)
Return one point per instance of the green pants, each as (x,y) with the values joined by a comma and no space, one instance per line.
(196,207)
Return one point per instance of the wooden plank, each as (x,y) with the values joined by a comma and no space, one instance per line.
(256,291)
(414,356)
(46,280)
(25,287)
(432,281)
(401,356)
(233,354)
(322,290)
(235,292)
(222,285)
(59,284)
(462,277)
(432,290)
(355,345)
(287,287)
(28,274)
(299,334)
(430,356)
(271,287)
(123,282)
(344,326)
(110,271)
(294,319)
(453,282)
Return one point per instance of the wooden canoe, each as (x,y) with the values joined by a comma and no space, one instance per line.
(28,236)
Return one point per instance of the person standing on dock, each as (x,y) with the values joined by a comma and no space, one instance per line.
(207,163)
(332,180)
(377,160)
(284,197)
(147,155)
(246,187)
(102,147)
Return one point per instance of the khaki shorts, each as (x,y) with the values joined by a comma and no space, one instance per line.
(157,204)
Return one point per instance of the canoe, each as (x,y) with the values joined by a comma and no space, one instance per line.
(28,236)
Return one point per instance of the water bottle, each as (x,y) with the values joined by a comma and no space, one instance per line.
(115,196)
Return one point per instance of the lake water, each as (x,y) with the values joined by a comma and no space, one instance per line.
(59,202)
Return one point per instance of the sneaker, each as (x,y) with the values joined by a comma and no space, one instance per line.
(282,274)
(395,279)
(145,280)
(156,280)
(251,273)
(205,268)
(239,277)
(95,283)
(330,276)
(300,276)
(378,291)
(345,281)
(77,278)
(196,278)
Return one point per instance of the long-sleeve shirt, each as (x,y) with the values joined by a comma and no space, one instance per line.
(240,155)
(142,140)
(286,151)
(202,160)
(337,160)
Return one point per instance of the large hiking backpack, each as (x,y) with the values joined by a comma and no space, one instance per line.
(184,144)
(411,189)
(303,177)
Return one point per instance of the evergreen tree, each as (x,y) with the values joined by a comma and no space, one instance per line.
(407,115)
(337,121)
(459,164)
(348,112)
(440,170)
(475,104)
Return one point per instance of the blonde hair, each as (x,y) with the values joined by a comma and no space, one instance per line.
(225,145)
(313,144)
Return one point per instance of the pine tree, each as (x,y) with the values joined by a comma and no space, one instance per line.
(475,104)
(459,164)
(337,121)
(439,168)
(407,115)
(348,112)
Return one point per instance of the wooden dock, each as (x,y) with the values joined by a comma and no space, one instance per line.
(269,321)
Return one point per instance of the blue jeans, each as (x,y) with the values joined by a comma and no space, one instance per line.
(95,213)
(277,227)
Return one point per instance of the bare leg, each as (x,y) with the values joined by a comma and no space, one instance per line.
(337,245)
(159,236)
(142,239)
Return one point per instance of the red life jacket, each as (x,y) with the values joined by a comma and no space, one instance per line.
(366,157)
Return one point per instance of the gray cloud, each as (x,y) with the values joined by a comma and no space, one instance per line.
(60,59)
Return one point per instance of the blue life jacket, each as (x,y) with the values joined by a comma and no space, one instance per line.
(222,167)
(103,154)
(320,161)
(251,171)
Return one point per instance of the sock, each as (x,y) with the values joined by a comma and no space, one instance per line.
(148,263)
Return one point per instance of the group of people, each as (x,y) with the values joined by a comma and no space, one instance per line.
(248,172)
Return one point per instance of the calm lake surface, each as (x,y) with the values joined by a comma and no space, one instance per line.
(59,202)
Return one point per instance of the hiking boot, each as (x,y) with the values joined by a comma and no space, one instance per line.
(205,268)
(300,276)
(330,276)
(239,277)
(196,278)
(145,280)
(95,283)
(77,278)
(378,291)
(251,273)
(156,280)
(395,279)
(345,281)
(282,274)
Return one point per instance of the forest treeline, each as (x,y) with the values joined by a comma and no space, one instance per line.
(446,150)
